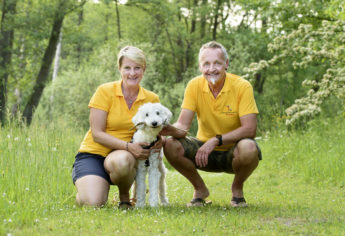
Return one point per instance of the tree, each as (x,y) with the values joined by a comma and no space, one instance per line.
(62,9)
(307,47)
(6,44)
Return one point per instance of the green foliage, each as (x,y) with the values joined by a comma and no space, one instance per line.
(320,52)
(67,97)
(170,33)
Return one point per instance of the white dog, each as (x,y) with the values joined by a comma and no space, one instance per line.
(149,121)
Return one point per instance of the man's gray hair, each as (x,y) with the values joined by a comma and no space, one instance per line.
(214,44)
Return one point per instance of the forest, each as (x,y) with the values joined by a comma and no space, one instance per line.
(54,54)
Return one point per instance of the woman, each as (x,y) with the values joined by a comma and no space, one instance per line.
(106,156)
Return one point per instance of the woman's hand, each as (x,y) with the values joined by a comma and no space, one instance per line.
(136,149)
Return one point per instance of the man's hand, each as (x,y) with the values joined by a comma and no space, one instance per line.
(167,130)
(201,157)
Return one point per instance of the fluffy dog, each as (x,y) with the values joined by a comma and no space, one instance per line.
(149,121)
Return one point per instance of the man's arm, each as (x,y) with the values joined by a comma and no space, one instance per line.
(182,125)
(246,130)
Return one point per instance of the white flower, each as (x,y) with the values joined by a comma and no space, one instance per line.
(29,144)
(27,189)
(16,139)
(54,149)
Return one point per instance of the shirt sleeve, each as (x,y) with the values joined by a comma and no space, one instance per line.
(247,103)
(100,99)
(189,101)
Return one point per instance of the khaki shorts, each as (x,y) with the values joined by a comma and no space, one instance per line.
(218,161)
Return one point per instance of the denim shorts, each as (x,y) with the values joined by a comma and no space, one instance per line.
(218,161)
(89,164)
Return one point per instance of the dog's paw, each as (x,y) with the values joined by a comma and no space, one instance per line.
(140,204)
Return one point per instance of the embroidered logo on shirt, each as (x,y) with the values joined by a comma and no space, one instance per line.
(227,110)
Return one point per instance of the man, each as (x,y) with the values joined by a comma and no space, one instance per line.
(226,113)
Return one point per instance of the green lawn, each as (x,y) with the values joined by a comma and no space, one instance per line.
(298,188)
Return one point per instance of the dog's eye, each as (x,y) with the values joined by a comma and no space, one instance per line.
(147,114)
(157,113)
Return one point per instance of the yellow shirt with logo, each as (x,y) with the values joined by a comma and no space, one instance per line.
(109,97)
(222,114)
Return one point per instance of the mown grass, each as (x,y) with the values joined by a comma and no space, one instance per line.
(298,188)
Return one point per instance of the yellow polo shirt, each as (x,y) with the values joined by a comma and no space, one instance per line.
(222,114)
(109,97)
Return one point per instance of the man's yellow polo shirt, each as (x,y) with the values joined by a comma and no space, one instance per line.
(222,114)
(109,97)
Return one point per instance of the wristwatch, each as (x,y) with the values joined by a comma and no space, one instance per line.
(220,139)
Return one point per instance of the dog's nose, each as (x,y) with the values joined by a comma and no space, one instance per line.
(154,123)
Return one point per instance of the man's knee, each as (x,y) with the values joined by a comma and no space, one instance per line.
(247,152)
(172,148)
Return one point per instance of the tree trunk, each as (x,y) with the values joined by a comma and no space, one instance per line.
(193,24)
(259,83)
(57,58)
(203,20)
(79,45)
(189,54)
(43,74)
(6,44)
(118,20)
(215,23)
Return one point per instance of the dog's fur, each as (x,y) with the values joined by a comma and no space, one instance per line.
(149,121)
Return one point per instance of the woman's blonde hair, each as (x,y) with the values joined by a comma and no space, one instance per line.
(133,53)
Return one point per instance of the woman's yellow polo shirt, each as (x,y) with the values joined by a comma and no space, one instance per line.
(109,97)
(222,114)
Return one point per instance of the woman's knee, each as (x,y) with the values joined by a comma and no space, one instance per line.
(121,163)
(90,200)
(92,191)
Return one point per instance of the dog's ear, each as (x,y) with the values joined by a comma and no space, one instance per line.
(168,115)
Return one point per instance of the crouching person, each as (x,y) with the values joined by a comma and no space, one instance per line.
(105,156)
(226,113)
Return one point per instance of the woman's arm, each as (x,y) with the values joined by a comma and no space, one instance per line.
(98,121)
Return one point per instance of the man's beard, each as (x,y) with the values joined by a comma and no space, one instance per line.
(214,80)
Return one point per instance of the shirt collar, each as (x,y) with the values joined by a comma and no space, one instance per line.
(118,91)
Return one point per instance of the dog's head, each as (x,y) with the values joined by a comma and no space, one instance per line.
(153,115)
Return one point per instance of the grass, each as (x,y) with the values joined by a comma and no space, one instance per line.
(298,188)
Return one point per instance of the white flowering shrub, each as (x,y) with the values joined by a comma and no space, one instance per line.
(308,46)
